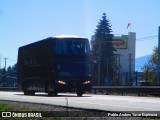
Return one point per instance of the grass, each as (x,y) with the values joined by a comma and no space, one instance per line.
(8,107)
(5,107)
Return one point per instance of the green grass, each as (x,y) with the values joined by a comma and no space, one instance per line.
(8,107)
(5,107)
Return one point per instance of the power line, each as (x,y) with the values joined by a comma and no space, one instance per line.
(144,38)
(147,38)
(138,66)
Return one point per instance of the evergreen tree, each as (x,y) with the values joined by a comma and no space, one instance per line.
(9,69)
(102,50)
(150,69)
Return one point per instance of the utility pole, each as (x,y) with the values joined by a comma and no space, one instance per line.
(107,67)
(5,59)
(0,60)
(5,70)
(130,67)
(119,66)
(99,65)
(126,78)
(158,56)
(136,77)
(100,81)
(147,74)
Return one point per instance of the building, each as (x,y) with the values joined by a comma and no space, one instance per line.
(125,46)
(126,55)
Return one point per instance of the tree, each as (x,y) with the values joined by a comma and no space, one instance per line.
(102,50)
(10,69)
(150,69)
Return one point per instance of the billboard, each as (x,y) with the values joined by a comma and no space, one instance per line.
(120,42)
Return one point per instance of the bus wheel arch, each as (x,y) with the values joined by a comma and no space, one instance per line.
(24,89)
(80,93)
(50,92)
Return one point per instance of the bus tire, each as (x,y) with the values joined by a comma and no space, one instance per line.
(79,93)
(46,87)
(23,86)
(26,92)
(50,93)
(32,93)
(55,92)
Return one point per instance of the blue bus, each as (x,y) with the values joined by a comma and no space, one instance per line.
(55,64)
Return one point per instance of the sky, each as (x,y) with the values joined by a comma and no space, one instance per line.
(26,21)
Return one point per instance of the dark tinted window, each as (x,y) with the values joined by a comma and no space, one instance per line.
(71,47)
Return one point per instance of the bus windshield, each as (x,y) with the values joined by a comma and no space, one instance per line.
(71,47)
(72,68)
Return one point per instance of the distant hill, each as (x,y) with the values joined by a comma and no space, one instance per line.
(140,62)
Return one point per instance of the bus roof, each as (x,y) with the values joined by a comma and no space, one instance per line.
(68,36)
(58,37)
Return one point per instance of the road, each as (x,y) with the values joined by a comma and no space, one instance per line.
(98,102)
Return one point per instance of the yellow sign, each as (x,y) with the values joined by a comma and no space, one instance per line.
(120,42)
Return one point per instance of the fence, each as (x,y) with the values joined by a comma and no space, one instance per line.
(154,90)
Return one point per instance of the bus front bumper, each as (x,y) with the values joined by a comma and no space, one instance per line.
(63,86)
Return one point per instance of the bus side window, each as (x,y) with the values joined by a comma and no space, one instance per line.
(79,48)
(61,47)
(26,62)
(71,47)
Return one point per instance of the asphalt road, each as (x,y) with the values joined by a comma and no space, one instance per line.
(98,102)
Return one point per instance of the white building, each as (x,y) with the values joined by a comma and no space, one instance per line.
(126,52)
(125,46)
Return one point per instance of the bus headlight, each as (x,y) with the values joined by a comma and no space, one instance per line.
(61,82)
(87,82)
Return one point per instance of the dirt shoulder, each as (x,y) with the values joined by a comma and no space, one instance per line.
(49,110)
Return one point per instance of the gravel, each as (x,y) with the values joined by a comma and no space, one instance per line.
(70,113)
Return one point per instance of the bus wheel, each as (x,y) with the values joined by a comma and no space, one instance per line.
(79,93)
(32,93)
(50,93)
(26,92)
(55,93)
